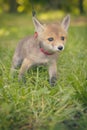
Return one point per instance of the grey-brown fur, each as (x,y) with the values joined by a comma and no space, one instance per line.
(28,51)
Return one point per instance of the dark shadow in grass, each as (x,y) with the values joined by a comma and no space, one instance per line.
(85,111)
(77,122)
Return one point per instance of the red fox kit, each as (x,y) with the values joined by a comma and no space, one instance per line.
(42,48)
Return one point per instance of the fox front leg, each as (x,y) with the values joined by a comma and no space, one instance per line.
(53,73)
(25,66)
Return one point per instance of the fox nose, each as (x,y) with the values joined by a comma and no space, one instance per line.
(60,48)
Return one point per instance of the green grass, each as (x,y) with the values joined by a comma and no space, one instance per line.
(36,105)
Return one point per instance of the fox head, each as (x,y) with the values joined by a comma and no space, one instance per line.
(53,36)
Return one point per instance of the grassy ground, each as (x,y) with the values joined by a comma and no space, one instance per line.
(35,105)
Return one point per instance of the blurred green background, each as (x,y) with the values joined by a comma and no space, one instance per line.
(21,6)
(47,9)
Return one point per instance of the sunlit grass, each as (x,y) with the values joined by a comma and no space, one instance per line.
(51,15)
(35,104)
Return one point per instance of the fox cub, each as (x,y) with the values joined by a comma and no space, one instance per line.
(42,48)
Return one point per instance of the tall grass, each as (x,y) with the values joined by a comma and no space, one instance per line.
(35,104)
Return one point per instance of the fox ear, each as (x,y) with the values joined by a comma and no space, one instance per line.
(38,26)
(66,22)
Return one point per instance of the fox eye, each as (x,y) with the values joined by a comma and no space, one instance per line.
(62,38)
(50,39)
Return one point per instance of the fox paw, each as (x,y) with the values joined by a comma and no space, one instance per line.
(53,81)
(21,79)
